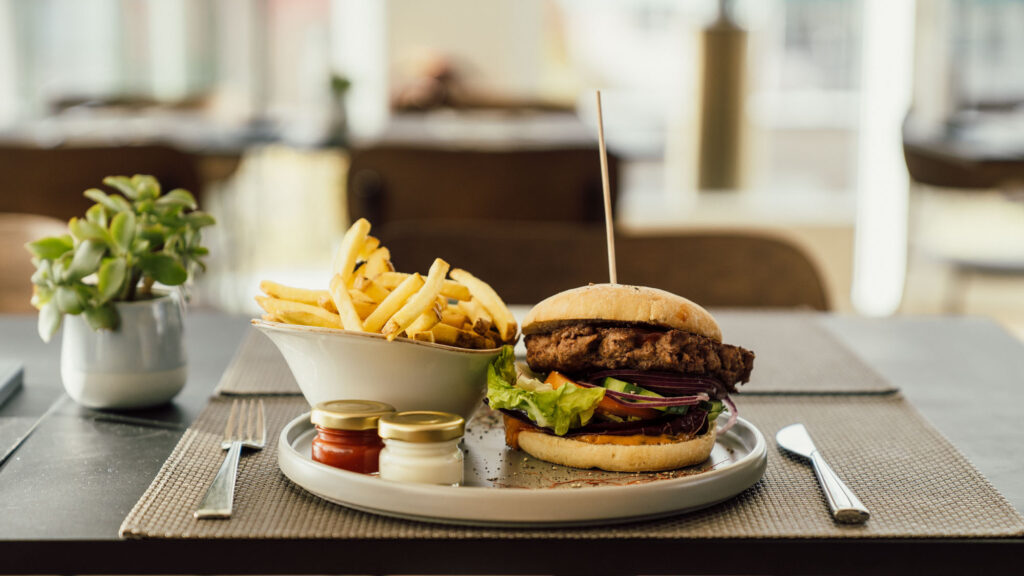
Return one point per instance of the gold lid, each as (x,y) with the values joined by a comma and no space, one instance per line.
(422,426)
(349,414)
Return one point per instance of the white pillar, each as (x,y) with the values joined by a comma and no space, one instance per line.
(359,51)
(887,75)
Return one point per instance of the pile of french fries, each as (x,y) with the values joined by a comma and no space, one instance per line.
(366,294)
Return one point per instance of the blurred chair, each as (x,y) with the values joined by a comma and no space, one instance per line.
(16,262)
(50,181)
(528,261)
(952,161)
(391,183)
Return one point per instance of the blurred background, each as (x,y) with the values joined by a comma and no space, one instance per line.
(861,156)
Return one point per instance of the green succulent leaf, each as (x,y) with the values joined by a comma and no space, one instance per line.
(43,274)
(125,206)
(84,230)
(86,260)
(102,318)
(97,214)
(112,203)
(170,214)
(132,233)
(154,234)
(51,248)
(60,267)
(49,320)
(200,219)
(164,269)
(171,218)
(178,197)
(122,229)
(123,184)
(147,186)
(110,278)
(40,296)
(68,300)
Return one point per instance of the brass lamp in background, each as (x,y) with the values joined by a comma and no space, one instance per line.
(724,47)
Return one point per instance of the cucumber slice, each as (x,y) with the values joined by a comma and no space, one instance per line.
(714,408)
(617,385)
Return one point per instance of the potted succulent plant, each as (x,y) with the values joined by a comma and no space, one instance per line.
(123,340)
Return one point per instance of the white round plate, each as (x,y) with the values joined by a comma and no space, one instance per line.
(507,487)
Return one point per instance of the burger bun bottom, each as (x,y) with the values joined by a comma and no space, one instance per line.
(617,457)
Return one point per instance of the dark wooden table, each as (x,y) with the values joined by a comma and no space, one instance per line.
(64,493)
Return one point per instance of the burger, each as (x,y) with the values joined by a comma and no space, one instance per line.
(622,378)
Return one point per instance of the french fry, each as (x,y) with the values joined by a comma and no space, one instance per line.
(452,336)
(366,293)
(305,318)
(420,302)
(477,316)
(364,309)
(491,302)
(298,313)
(371,290)
(449,289)
(348,252)
(377,263)
(359,296)
(453,316)
(327,303)
(395,300)
(427,336)
(371,244)
(425,321)
(343,302)
(282,292)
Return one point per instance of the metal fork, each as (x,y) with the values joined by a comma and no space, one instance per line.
(248,430)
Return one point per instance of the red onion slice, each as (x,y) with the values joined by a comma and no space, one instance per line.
(641,400)
(667,383)
(733,413)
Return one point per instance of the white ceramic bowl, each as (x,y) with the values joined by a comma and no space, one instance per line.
(410,375)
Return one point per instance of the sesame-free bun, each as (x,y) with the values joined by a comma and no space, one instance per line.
(617,457)
(621,303)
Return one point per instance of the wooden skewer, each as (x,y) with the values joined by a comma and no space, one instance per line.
(609,227)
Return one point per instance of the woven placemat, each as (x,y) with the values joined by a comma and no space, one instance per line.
(796,354)
(257,368)
(914,482)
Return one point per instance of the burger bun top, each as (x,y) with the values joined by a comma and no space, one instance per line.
(621,303)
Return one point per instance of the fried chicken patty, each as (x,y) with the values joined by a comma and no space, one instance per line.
(581,348)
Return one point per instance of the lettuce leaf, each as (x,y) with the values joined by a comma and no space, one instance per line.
(556,409)
(714,408)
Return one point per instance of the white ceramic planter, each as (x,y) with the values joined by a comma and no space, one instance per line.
(141,364)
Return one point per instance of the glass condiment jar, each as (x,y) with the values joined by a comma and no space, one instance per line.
(346,434)
(422,447)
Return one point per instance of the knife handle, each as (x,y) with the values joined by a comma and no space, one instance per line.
(846,507)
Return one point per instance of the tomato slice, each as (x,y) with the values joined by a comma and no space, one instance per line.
(607,405)
(556,379)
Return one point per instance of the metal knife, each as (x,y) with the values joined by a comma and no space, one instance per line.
(846,507)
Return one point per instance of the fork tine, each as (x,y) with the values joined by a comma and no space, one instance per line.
(229,429)
(250,422)
(262,425)
(245,434)
(242,417)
